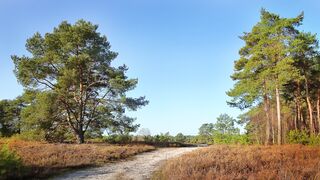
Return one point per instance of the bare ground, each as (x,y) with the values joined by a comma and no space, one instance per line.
(138,168)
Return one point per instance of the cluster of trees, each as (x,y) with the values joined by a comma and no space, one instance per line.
(166,137)
(224,131)
(277,78)
(144,136)
(71,87)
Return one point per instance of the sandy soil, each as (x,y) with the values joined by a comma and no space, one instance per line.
(138,168)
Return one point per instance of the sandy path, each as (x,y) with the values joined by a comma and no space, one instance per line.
(140,167)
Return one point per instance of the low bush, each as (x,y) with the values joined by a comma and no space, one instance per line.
(10,163)
(180,138)
(298,137)
(314,140)
(201,139)
(148,139)
(32,135)
(220,138)
(118,139)
(163,138)
(302,137)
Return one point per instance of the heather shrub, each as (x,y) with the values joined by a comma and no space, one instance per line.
(41,159)
(244,162)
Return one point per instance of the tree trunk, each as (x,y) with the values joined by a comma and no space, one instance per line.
(80,137)
(273,125)
(318,110)
(296,115)
(311,126)
(299,114)
(310,116)
(278,114)
(295,121)
(273,135)
(266,109)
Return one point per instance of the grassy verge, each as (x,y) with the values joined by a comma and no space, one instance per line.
(40,159)
(245,162)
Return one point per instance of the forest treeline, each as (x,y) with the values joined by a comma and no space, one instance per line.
(277,78)
(72,91)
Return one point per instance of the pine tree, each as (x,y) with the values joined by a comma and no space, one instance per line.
(73,63)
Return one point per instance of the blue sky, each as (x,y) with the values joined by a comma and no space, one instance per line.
(182,52)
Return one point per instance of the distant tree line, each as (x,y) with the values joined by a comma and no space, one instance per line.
(223,131)
(71,88)
(277,78)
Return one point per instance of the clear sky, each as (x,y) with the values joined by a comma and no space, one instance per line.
(182,51)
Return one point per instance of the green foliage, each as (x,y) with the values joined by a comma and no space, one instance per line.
(221,132)
(265,61)
(206,129)
(10,117)
(31,135)
(180,138)
(226,125)
(163,138)
(118,139)
(201,139)
(302,137)
(148,139)
(314,140)
(298,137)
(121,125)
(10,163)
(220,138)
(41,121)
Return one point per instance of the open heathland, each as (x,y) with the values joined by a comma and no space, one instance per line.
(245,162)
(39,159)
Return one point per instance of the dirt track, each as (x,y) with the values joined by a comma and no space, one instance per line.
(140,167)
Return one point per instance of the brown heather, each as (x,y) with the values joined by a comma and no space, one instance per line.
(245,162)
(42,159)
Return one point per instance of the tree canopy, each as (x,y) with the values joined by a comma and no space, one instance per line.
(71,68)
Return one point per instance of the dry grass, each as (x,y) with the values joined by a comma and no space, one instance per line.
(245,162)
(43,159)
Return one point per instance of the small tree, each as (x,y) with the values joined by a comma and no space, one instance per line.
(226,125)
(180,138)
